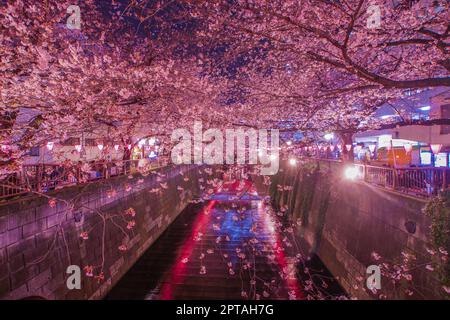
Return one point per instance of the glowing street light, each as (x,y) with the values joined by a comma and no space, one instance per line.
(289,142)
(351,173)
(141,143)
(292,161)
(328,136)
(408,147)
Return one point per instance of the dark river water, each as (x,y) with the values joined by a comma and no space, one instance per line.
(227,248)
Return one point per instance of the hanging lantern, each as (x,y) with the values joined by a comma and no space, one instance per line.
(100,147)
(310,148)
(332,148)
(151,141)
(116,147)
(372,148)
(339,147)
(129,147)
(436,148)
(348,147)
(408,147)
(78,147)
(289,142)
(50,145)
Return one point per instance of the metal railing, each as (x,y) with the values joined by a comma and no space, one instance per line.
(423,181)
(416,181)
(47,177)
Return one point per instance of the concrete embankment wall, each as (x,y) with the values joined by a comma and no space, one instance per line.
(38,242)
(344,221)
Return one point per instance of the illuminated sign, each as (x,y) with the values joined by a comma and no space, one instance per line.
(441,160)
(425,158)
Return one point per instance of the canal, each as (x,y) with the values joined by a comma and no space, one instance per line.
(232,246)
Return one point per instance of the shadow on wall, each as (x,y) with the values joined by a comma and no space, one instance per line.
(351,225)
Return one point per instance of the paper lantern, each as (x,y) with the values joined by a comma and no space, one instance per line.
(116,147)
(348,147)
(332,148)
(408,147)
(78,147)
(100,147)
(339,147)
(436,148)
(50,145)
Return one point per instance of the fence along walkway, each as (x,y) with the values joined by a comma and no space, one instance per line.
(48,177)
(415,181)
